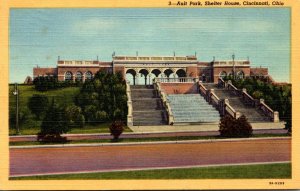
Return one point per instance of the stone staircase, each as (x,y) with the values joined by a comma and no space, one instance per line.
(253,114)
(147,106)
(192,109)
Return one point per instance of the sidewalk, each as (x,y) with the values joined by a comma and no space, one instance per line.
(24,138)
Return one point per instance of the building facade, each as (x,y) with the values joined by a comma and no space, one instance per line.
(143,69)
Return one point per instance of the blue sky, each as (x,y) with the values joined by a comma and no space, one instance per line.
(39,36)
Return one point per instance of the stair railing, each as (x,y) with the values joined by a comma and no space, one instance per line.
(221,83)
(165,101)
(202,89)
(274,115)
(210,96)
(214,99)
(129,105)
(249,100)
(229,110)
(232,88)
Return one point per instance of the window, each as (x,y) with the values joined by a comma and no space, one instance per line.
(240,75)
(78,76)
(88,75)
(68,76)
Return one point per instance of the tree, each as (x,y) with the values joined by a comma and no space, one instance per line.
(230,127)
(116,129)
(103,98)
(38,104)
(74,116)
(53,124)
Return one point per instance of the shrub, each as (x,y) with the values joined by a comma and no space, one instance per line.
(53,124)
(116,129)
(230,127)
(101,116)
(74,116)
(38,104)
(257,94)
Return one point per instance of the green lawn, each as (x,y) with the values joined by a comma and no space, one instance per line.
(64,96)
(87,129)
(130,140)
(260,171)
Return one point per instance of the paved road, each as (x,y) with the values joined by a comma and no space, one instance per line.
(143,135)
(103,158)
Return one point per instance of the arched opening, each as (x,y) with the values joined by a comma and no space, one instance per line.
(131,76)
(88,75)
(79,76)
(240,75)
(203,77)
(222,74)
(143,78)
(156,73)
(68,76)
(168,73)
(181,73)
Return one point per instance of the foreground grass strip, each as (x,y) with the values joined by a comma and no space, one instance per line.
(282,170)
(129,140)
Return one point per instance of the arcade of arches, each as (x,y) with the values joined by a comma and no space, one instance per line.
(145,77)
(78,76)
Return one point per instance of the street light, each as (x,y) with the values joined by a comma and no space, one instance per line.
(233,63)
(16,93)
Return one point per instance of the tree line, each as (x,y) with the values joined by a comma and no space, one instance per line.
(102,99)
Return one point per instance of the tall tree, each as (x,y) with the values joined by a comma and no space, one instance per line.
(38,104)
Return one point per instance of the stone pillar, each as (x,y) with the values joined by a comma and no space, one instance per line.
(261,101)
(276,117)
(83,78)
(237,115)
(226,101)
(73,77)
(244,90)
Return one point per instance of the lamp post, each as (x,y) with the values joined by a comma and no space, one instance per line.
(233,64)
(16,93)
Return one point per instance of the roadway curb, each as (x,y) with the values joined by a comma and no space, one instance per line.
(147,143)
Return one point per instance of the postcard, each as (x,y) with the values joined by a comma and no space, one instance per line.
(149,95)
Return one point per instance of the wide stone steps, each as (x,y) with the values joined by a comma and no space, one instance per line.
(253,114)
(192,108)
(147,104)
(147,114)
(147,107)
(145,93)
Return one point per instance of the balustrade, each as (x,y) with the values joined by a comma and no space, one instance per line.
(177,80)
(129,105)
(203,90)
(249,100)
(233,89)
(221,83)
(165,102)
(274,115)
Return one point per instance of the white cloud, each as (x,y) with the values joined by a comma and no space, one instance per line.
(94,25)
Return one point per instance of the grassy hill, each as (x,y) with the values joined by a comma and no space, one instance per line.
(64,96)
